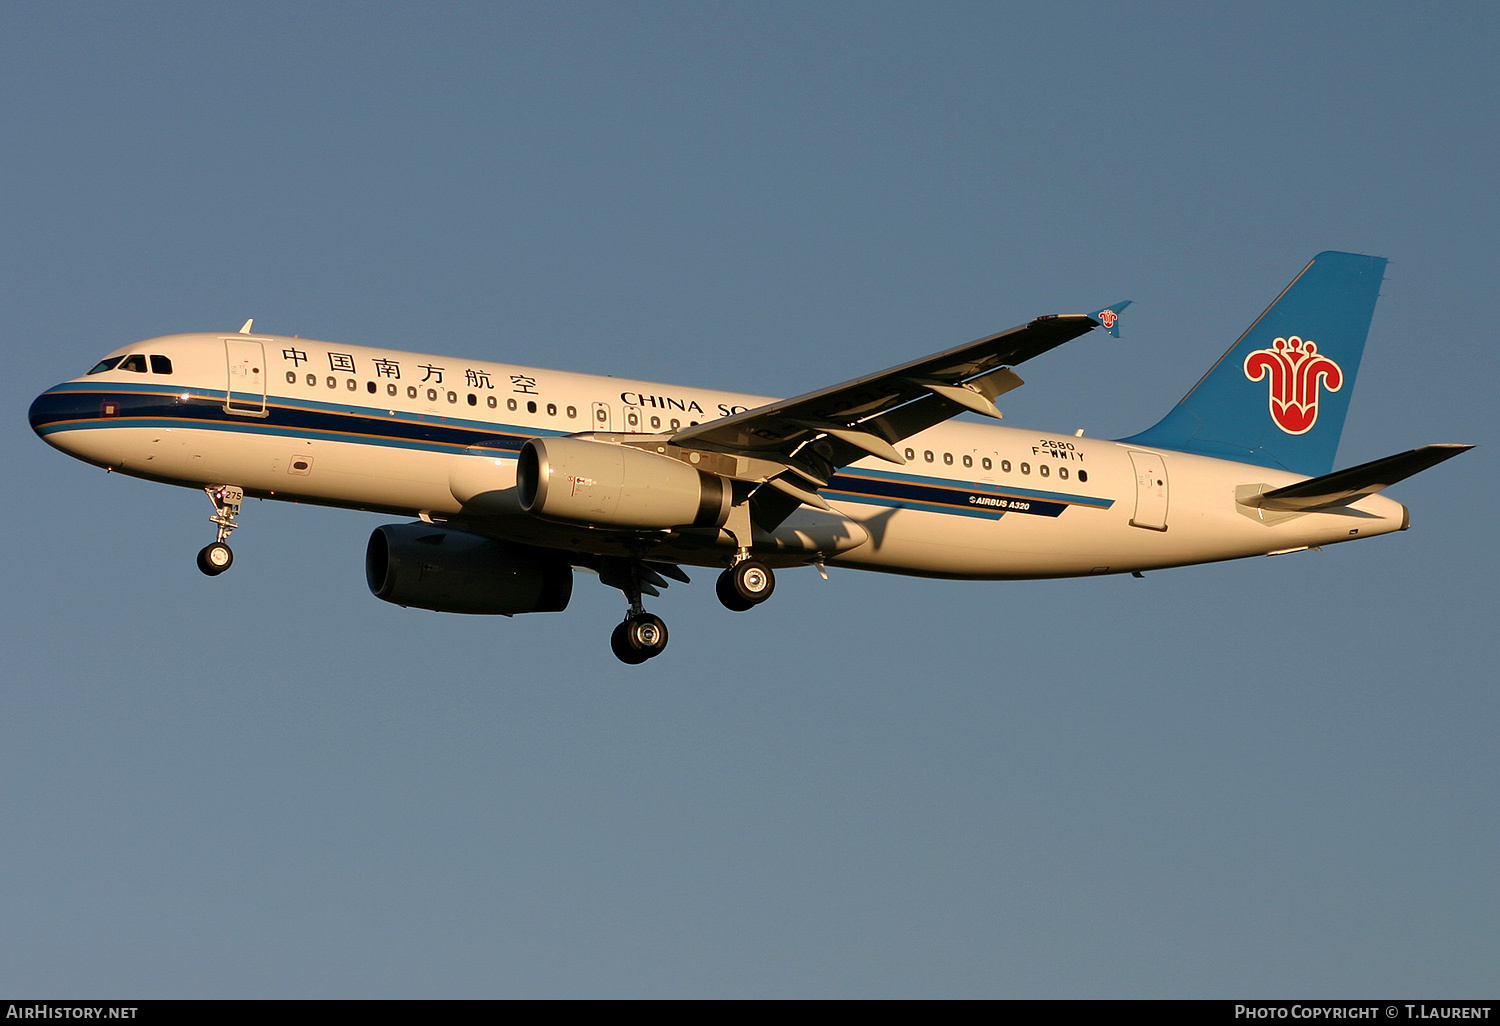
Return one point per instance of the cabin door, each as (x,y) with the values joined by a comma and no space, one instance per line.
(246,392)
(1150,490)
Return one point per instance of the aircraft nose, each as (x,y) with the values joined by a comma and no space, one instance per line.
(53,410)
(38,414)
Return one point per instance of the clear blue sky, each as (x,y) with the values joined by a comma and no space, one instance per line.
(1274,777)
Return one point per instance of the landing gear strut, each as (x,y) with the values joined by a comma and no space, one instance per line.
(746,584)
(641,635)
(214,559)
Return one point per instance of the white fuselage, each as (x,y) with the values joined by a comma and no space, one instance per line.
(434,436)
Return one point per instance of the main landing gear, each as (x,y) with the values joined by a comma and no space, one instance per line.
(641,635)
(214,559)
(746,584)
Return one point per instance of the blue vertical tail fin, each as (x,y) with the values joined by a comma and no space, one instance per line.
(1278,397)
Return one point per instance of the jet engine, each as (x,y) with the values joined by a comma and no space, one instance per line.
(457,572)
(606,485)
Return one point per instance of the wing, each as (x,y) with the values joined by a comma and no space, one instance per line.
(815,434)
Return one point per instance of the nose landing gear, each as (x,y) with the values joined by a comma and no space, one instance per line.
(217,557)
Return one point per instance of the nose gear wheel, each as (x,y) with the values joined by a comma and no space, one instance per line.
(214,559)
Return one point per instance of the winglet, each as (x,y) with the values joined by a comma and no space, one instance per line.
(251,323)
(1109,317)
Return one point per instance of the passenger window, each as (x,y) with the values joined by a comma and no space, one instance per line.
(948,458)
(1062,472)
(531,407)
(370,387)
(676,423)
(911,454)
(510,404)
(492,402)
(551,409)
(968,461)
(160,365)
(601,415)
(390,389)
(473,399)
(655,423)
(987,463)
(136,363)
(572,412)
(927,455)
(312,380)
(333,382)
(291,377)
(411,391)
(1026,468)
(1044,470)
(1005,466)
(634,419)
(432,395)
(104,365)
(453,397)
(1083,475)
(353,385)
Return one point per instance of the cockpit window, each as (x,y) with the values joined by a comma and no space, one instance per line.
(160,365)
(104,365)
(135,362)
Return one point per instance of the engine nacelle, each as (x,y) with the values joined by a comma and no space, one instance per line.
(605,485)
(457,572)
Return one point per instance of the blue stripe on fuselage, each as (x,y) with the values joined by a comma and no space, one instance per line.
(87,406)
(75,407)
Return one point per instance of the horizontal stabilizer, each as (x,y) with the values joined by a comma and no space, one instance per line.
(1345,486)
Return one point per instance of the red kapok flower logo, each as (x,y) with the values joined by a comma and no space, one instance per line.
(1295,369)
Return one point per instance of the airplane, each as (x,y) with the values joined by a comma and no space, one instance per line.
(518,475)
